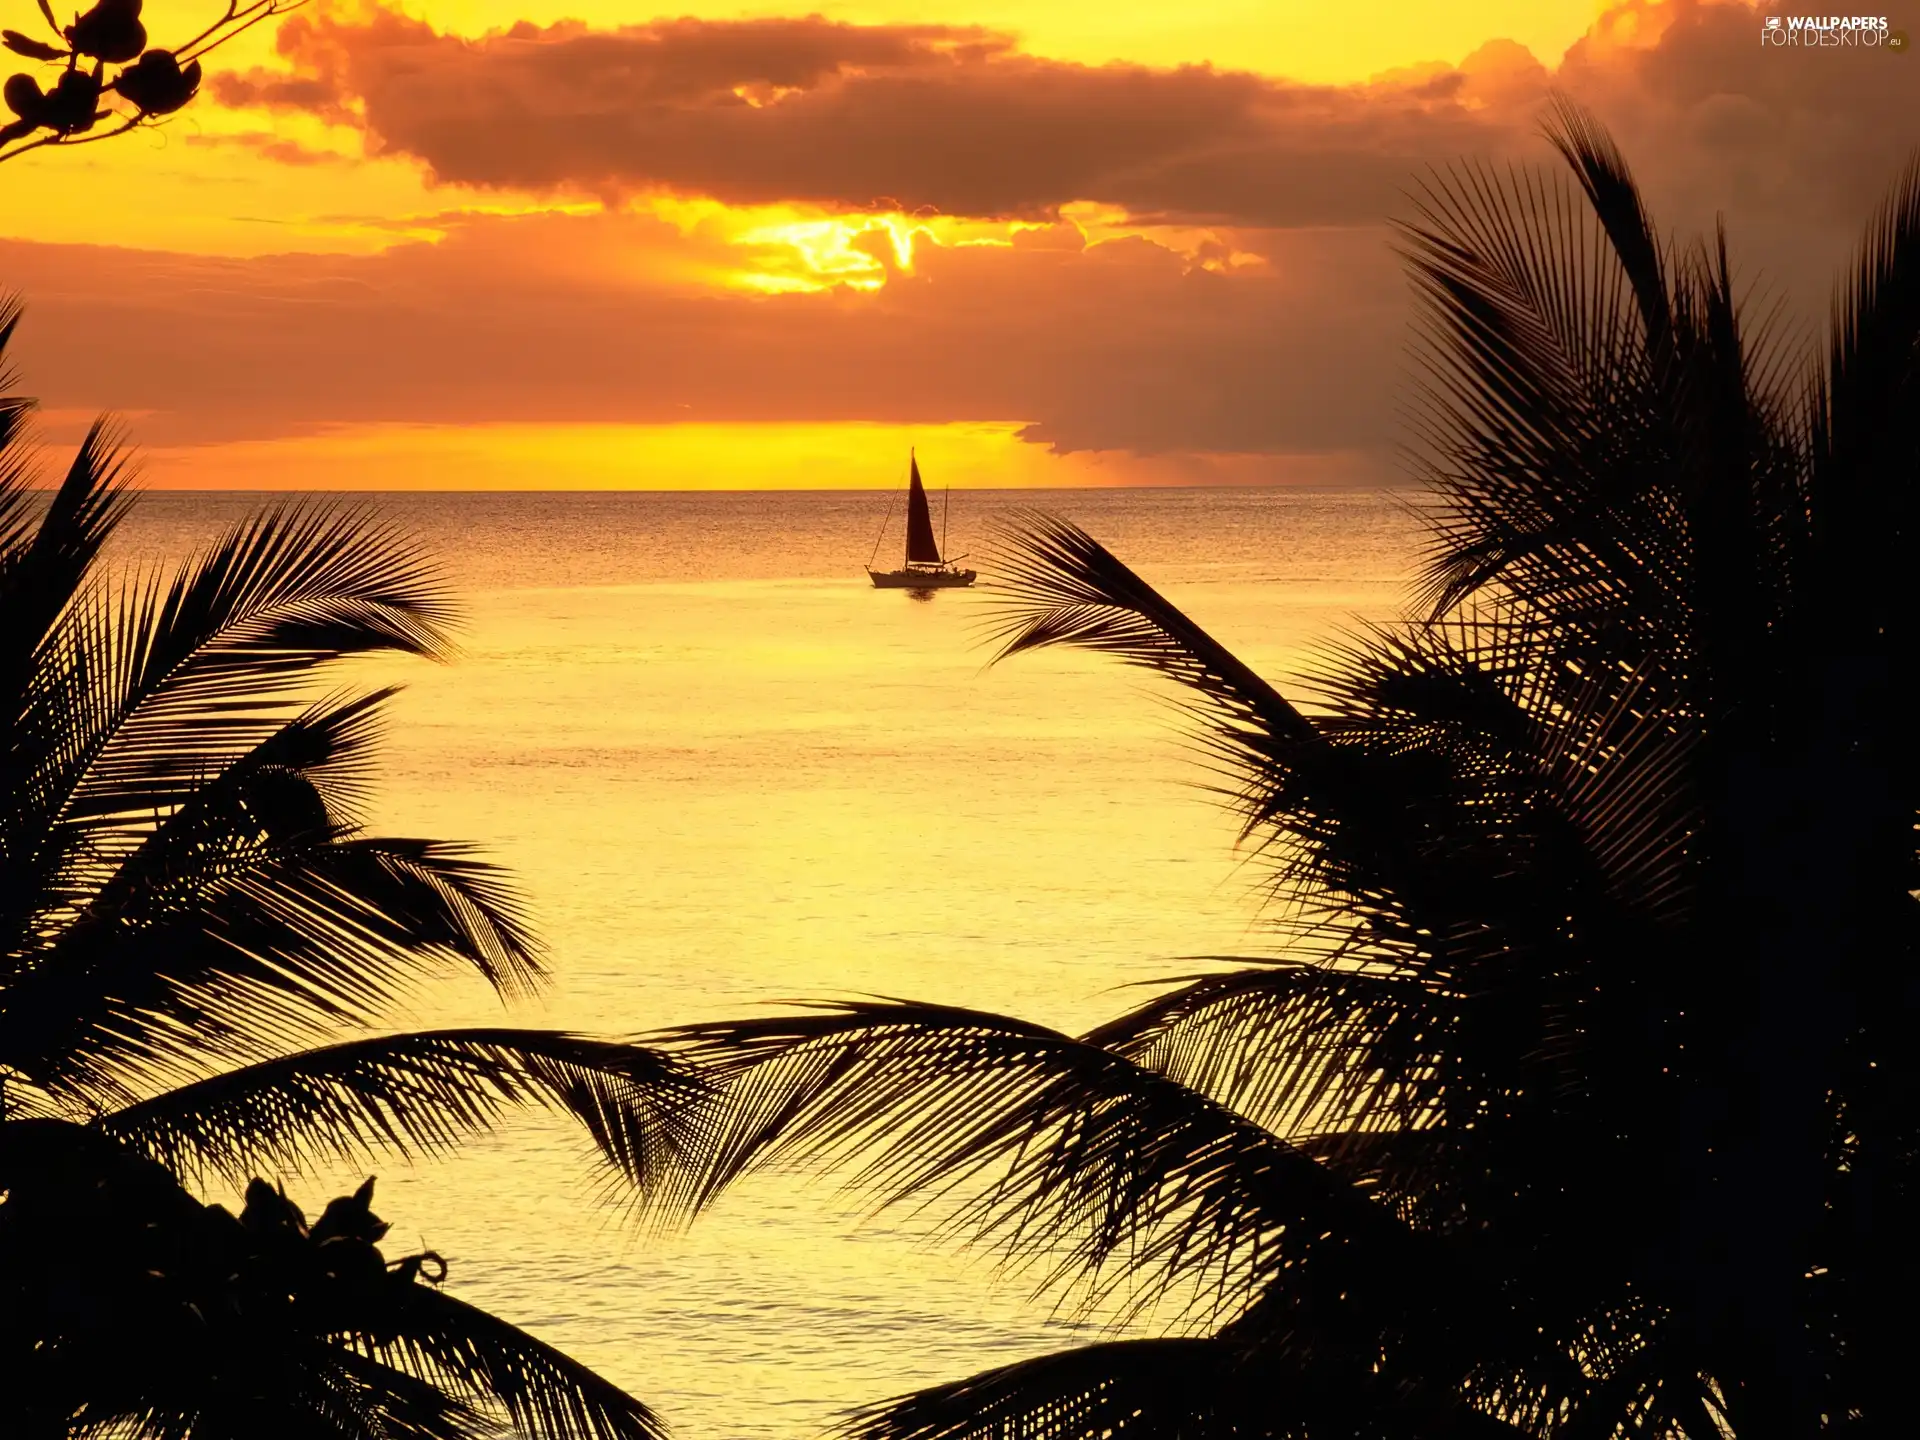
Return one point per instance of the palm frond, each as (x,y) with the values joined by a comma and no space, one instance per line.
(1866,454)
(1615,199)
(1297,1048)
(14,409)
(1212,1388)
(304,1389)
(1371,810)
(248,917)
(279,953)
(1515,759)
(489,1363)
(1538,415)
(44,569)
(17,505)
(1062,587)
(300,784)
(153,690)
(1060,1156)
(134,700)
(1171,1389)
(342,1395)
(417,1094)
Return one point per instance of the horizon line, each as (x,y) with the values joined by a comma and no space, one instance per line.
(148,491)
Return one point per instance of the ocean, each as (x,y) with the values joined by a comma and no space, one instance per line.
(729,774)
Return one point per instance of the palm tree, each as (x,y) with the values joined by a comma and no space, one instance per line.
(1582,1102)
(187,897)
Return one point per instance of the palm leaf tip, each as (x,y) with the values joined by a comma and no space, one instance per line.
(41,576)
(1060,586)
(1600,168)
(487,1362)
(13,408)
(298,586)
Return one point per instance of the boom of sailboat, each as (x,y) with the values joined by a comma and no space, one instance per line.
(923,568)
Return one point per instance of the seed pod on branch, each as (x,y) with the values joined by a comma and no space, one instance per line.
(157,84)
(110,31)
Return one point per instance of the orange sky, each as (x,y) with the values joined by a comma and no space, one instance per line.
(496,243)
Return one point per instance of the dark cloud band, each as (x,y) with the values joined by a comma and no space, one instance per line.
(906,117)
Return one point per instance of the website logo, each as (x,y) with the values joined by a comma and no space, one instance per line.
(1831,32)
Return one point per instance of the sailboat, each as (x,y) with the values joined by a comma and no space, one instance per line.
(923,568)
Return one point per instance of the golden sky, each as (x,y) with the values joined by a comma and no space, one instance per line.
(536,242)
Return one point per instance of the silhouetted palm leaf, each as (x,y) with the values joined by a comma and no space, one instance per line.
(1062,587)
(1063,1155)
(1168,1389)
(416,1094)
(1601,170)
(1542,406)
(468,1353)
(251,917)
(1175,1389)
(14,410)
(1297,1048)
(187,882)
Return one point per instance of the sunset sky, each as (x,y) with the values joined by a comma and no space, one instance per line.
(551,244)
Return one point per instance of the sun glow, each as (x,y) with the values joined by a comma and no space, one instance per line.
(791,249)
(857,250)
(786,249)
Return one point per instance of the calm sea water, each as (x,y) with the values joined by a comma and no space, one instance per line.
(728,774)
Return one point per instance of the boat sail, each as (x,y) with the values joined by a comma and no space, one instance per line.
(923,568)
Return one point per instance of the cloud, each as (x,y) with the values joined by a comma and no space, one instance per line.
(949,119)
(1123,345)
(959,121)
(269,146)
(1792,147)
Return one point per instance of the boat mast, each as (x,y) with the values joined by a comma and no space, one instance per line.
(946,514)
(892,500)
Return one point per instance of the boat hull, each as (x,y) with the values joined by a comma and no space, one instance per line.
(928,579)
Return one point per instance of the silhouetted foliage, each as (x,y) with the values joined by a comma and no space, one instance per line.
(107,76)
(128,1307)
(1584,1101)
(188,898)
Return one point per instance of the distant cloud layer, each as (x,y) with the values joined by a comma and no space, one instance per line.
(957,120)
(1117,346)
(950,119)
(1121,346)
